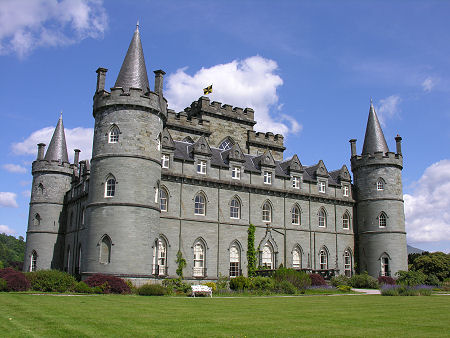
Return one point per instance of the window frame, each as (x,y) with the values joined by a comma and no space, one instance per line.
(33,261)
(322,187)
(200,205)
(113,135)
(267,177)
(162,191)
(297,266)
(347,263)
(384,270)
(296,182)
(267,212)
(236,173)
(200,259)
(105,241)
(346,219)
(382,220)
(346,191)
(380,184)
(295,215)
(265,256)
(235,269)
(110,187)
(235,209)
(165,161)
(201,167)
(323,259)
(322,215)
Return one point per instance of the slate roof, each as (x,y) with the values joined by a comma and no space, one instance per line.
(57,149)
(374,140)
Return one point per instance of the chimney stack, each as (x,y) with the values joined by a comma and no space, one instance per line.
(101,75)
(398,141)
(76,157)
(159,74)
(41,151)
(353,146)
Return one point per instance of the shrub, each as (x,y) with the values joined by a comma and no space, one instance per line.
(51,281)
(152,290)
(432,280)
(3,285)
(363,281)
(223,282)
(176,285)
(240,283)
(389,290)
(110,284)
(445,285)
(299,279)
(317,280)
(386,280)
(285,286)
(262,283)
(424,290)
(411,278)
(15,280)
(82,287)
(212,285)
(340,280)
(344,288)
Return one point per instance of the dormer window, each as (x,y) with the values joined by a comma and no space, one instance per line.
(114,135)
(267,177)
(236,173)
(165,160)
(201,167)
(322,187)
(346,191)
(226,144)
(296,182)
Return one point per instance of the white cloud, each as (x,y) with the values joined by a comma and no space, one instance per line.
(428,84)
(4,229)
(8,199)
(76,138)
(427,209)
(26,193)
(388,108)
(14,168)
(251,82)
(24,183)
(28,24)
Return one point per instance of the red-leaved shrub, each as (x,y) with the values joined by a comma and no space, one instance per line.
(15,280)
(317,279)
(110,284)
(383,280)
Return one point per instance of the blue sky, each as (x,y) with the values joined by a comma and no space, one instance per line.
(308,69)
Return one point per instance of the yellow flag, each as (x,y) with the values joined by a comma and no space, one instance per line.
(207,90)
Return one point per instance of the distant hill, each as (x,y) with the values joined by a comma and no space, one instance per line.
(12,251)
(412,250)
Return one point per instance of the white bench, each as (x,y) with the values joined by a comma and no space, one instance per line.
(201,289)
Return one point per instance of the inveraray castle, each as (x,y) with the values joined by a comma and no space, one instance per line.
(160,182)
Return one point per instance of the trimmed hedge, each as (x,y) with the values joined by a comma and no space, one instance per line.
(51,281)
(15,280)
(299,279)
(152,290)
(364,281)
(108,283)
(340,280)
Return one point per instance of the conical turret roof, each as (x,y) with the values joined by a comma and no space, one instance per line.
(374,140)
(133,72)
(57,150)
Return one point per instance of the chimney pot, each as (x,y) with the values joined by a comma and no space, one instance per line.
(159,75)
(41,151)
(101,75)
(353,146)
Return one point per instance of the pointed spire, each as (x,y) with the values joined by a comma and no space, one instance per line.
(57,150)
(374,140)
(133,72)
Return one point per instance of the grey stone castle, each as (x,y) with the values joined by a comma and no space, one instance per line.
(161,182)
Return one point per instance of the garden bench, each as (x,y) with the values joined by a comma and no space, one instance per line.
(201,289)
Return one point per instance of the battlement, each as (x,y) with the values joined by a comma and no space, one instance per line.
(378,158)
(203,105)
(52,166)
(183,121)
(266,139)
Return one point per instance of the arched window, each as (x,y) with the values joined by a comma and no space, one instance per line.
(114,135)
(323,259)
(37,220)
(163,200)
(41,188)
(380,184)
(160,257)
(235,208)
(385,271)
(200,207)
(267,212)
(296,258)
(226,144)
(199,260)
(158,142)
(110,186)
(346,221)
(267,256)
(322,218)
(235,261)
(295,215)
(382,220)
(105,250)
(33,261)
(347,263)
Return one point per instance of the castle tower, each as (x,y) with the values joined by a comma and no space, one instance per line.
(123,206)
(380,219)
(52,176)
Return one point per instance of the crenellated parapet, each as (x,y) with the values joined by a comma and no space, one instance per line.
(376,159)
(182,122)
(45,166)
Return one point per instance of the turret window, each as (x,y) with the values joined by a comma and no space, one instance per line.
(33,261)
(37,220)
(380,184)
(114,135)
(385,266)
(105,250)
(382,220)
(110,187)
(160,257)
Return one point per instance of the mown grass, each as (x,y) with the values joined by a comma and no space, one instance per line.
(113,315)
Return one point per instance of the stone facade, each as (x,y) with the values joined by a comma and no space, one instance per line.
(161,182)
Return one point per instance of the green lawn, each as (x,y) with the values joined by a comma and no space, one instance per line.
(112,315)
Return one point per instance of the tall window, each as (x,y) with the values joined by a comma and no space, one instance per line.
(382,220)
(163,200)
(235,257)
(346,191)
(236,173)
(41,188)
(201,167)
(322,218)
(385,266)
(165,159)
(105,250)
(346,221)
(235,208)
(380,184)
(37,220)
(347,263)
(295,215)
(267,177)
(110,187)
(296,259)
(83,216)
(267,212)
(267,256)
(158,142)
(322,187)
(295,182)
(114,135)
(68,259)
(78,267)
(33,262)
(160,257)
(323,259)
(199,260)
(199,207)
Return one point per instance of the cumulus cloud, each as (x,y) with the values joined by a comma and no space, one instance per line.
(28,24)
(4,229)
(8,199)
(251,82)
(428,84)
(76,138)
(427,209)
(388,108)
(14,168)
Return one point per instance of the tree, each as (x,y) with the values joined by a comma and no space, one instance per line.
(12,251)
(251,252)
(435,263)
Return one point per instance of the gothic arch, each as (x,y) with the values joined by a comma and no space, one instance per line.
(268,238)
(200,240)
